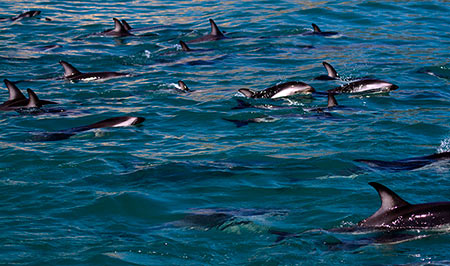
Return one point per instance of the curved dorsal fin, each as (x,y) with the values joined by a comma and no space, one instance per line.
(331,100)
(214,29)
(126,25)
(331,71)
(184,46)
(14,92)
(316,28)
(389,200)
(33,101)
(69,70)
(247,92)
(183,86)
(118,27)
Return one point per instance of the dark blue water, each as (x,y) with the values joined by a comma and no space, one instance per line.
(190,188)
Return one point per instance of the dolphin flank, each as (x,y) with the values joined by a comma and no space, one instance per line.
(280,90)
(71,73)
(365,86)
(119,121)
(407,164)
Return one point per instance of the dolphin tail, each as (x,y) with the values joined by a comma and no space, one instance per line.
(331,71)
(14,92)
(247,92)
(316,28)
(184,46)
(214,29)
(69,70)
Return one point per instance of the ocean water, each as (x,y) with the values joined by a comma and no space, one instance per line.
(188,187)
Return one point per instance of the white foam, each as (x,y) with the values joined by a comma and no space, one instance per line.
(445,146)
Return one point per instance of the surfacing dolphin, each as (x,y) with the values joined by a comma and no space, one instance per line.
(392,222)
(183,87)
(364,86)
(17,100)
(281,90)
(214,35)
(119,30)
(28,14)
(407,164)
(72,74)
(120,121)
(317,31)
(397,214)
(331,73)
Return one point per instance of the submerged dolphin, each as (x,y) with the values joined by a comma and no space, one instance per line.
(407,164)
(28,14)
(71,73)
(17,100)
(120,121)
(215,34)
(280,90)
(317,31)
(365,86)
(397,214)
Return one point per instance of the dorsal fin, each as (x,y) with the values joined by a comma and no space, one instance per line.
(247,92)
(331,100)
(214,29)
(118,27)
(69,70)
(389,200)
(14,92)
(316,28)
(183,86)
(126,25)
(184,46)
(331,71)
(33,101)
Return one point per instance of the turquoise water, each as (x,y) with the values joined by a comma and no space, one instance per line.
(190,188)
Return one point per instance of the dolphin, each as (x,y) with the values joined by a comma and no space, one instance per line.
(397,214)
(72,74)
(119,121)
(17,100)
(365,86)
(182,86)
(118,31)
(407,164)
(317,31)
(280,90)
(215,34)
(332,74)
(28,14)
